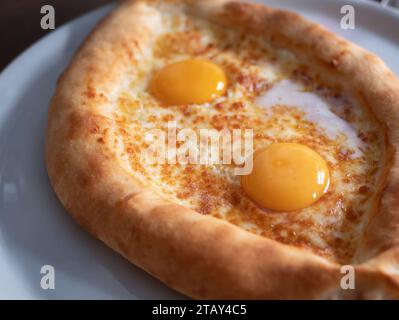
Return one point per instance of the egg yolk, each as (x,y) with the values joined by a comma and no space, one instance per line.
(286,177)
(189,82)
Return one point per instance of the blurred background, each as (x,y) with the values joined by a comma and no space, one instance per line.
(20,21)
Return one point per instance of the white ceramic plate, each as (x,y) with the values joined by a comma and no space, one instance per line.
(34,228)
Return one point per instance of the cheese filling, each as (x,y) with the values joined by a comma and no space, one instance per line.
(281,101)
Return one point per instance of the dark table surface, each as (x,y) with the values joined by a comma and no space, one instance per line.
(20,22)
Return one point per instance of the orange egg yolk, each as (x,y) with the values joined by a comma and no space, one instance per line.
(189,82)
(286,177)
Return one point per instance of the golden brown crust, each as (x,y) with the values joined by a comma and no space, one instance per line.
(202,256)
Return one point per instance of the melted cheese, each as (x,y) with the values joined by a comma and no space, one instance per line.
(282,101)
